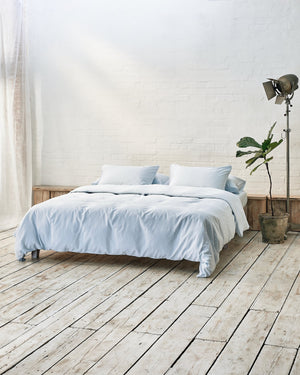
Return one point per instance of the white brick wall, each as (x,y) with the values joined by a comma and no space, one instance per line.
(155,82)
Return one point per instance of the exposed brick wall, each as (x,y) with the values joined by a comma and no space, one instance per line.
(158,82)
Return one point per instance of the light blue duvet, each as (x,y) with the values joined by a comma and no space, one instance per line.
(156,221)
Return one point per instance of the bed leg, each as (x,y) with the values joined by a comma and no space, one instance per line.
(35,254)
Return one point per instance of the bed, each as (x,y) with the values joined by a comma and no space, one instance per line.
(144,220)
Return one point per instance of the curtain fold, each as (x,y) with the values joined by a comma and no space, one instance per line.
(15,125)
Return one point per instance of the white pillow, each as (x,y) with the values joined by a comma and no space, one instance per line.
(161,179)
(199,176)
(234,184)
(127,175)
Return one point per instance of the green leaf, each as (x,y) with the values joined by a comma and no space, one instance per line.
(248,142)
(266,144)
(254,169)
(267,160)
(251,161)
(270,135)
(273,145)
(242,153)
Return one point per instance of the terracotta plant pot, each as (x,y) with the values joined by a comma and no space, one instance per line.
(273,228)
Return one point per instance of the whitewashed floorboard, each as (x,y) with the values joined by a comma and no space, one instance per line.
(274,360)
(84,314)
(296,365)
(286,330)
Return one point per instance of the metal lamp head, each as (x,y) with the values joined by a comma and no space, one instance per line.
(287,84)
(283,88)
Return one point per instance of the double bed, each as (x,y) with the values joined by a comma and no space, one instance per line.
(155,220)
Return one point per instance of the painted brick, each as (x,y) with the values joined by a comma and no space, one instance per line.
(147,82)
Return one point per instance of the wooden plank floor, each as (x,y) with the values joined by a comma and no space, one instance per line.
(85,314)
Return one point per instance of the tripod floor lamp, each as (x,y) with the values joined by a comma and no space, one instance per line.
(283,89)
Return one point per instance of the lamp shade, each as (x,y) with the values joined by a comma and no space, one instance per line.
(282,87)
(287,84)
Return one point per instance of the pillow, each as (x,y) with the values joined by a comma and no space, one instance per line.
(96,182)
(127,175)
(199,176)
(234,184)
(161,179)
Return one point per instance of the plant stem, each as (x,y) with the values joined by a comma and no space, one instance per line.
(270,191)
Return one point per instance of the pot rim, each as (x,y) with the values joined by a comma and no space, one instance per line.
(269,215)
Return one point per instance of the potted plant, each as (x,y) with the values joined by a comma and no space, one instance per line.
(273,227)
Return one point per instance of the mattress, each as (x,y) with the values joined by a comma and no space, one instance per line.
(243,198)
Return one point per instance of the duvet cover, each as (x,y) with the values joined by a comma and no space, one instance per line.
(156,221)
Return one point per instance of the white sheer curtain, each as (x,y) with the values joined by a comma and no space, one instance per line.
(15,127)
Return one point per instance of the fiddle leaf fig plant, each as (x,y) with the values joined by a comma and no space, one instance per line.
(260,153)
